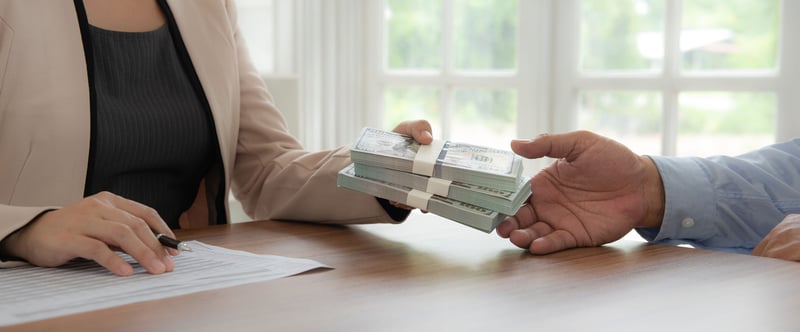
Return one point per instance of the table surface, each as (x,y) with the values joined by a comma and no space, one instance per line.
(430,274)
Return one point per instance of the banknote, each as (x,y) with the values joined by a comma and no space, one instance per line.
(467,214)
(467,163)
(503,201)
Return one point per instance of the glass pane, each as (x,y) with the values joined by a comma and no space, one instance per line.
(411,103)
(413,34)
(725,123)
(730,34)
(485,34)
(621,35)
(484,117)
(256,24)
(632,118)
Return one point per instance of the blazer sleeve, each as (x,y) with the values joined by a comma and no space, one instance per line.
(16,217)
(273,176)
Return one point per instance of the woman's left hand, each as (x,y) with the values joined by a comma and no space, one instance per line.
(420,130)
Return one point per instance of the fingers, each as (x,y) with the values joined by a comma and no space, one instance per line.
(566,145)
(153,258)
(783,241)
(420,130)
(786,251)
(525,217)
(508,225)
(541,239)
(127,226)
(131,229)
(524,230)
(553,242)
(99,252)
(401,205)
(145,213)
(89,229)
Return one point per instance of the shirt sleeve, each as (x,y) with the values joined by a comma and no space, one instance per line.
(727,203)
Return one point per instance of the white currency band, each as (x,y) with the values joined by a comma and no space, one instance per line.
(418,199)
(438,186)
(426,157)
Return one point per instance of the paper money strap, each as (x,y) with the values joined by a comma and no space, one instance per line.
(418,199)
(425,160)
(438,186)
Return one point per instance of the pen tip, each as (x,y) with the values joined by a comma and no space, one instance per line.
(184,247)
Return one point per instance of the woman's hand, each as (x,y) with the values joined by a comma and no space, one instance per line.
(783,241)
(90,229)
(421,131)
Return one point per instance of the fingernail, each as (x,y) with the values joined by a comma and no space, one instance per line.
(158,266)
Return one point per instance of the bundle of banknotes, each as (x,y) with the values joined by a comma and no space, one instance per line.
(470,184)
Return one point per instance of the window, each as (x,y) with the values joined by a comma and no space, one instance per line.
(695,78)
(454,62)
(671,77)
(268,28)
(662,76)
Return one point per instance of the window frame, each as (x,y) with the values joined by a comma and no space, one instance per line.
(335,56)
(569,81)
(532,93)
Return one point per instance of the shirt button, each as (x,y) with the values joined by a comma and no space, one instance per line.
(687,222)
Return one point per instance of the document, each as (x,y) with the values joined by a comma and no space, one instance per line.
(31,293)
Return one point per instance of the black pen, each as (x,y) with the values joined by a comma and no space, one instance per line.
(172,243)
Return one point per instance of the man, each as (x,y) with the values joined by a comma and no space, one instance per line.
(598,190)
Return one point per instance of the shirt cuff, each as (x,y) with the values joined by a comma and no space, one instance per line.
(690,203)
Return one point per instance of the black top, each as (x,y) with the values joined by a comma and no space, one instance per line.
(153,140)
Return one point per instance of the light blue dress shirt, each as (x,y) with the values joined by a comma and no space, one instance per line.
(727,203)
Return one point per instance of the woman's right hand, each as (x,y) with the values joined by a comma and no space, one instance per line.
(92,228)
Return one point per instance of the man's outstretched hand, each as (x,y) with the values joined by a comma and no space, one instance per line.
(595,192)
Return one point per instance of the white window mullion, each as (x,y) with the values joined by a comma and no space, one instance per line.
(375,57)
(671,71)
(331,71)
(535,19)
(310,73)
(460,80)
(328,48)
(565,74)
(685,83)
(285,37)
(788,119)
(446,94)
(348,79)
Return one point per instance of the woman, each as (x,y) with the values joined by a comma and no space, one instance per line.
(127,117)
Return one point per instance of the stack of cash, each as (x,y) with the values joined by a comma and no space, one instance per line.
(473,185)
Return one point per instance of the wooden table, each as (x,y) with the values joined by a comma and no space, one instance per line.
(430,274)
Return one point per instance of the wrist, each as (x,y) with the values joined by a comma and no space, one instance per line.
(11,245)
(653,195)
(6,248)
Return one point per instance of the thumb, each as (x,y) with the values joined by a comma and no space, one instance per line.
(568,145)
(546,145)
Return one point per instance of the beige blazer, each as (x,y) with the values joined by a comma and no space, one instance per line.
(45,121)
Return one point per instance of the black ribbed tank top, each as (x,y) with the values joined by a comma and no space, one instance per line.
(153,141)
